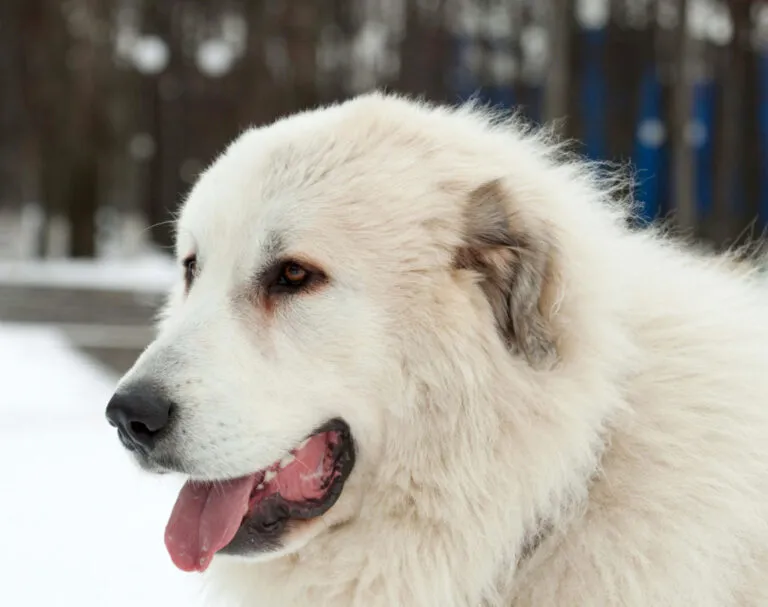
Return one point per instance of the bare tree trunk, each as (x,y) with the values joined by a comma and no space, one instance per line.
(682,101)
(556,93)
(63,82)
(342,17)
(87,136)
(301,26)
(45,87)
(257,102)
(753,159)
(628,54)
(730,142)
(12,131)
(163,115)
(82,202)
(425,52)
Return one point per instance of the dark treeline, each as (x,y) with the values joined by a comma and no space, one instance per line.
(110,108)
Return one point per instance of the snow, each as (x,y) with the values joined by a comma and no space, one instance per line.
(80,524)
(150,273)
(592,14)
(150,54)
(215,57)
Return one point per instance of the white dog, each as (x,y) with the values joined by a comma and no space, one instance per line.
(419,359)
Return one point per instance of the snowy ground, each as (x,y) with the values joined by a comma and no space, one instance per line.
(150,272)
(79,524)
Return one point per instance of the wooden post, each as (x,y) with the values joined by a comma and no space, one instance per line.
(730,143)
(682,101)
(558,77)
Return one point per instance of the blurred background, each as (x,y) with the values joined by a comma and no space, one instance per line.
(109,109)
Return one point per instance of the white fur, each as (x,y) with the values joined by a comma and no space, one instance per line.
(642,454)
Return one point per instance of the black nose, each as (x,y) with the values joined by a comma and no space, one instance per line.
(139,413)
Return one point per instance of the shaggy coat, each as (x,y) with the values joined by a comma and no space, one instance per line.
(549,407)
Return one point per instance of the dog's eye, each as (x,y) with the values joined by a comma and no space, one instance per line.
(190,270)
(293,275)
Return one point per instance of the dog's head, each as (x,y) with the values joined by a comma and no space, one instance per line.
(328,264)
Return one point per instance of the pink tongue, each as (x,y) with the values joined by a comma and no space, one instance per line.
(205,519)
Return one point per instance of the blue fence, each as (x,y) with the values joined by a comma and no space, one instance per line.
(650,151)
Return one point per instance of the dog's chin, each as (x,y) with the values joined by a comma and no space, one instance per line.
(298,535)
(155,467)
(264,515)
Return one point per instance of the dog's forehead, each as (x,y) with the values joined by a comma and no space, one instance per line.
(331,179)
(249,199)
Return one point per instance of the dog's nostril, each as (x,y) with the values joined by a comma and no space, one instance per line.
(139,429)
(140,413)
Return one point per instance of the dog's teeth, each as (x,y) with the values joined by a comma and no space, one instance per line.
(260,486)
(268,476)
(287,460)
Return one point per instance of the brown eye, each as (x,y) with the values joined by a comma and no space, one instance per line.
(190,269)
(293,275)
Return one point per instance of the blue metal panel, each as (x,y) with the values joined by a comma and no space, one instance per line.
(534,109)
(503,96)
(703,120)
(650,141)
(464,81)
(593,94)
(763,126)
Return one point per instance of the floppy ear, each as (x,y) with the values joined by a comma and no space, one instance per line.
(516,269)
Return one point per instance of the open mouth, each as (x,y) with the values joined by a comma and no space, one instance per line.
(210,516)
